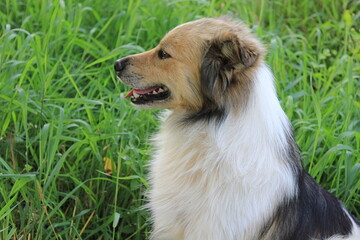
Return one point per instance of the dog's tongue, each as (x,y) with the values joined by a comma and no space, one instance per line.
(129,93)
(140,91)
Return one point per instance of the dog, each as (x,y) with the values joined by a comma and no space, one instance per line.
(226,164)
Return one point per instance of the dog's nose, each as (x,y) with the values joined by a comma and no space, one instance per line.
(121,64)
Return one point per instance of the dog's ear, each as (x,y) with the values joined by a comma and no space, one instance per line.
(224,55)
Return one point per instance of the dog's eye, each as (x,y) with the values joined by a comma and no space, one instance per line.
(163,55)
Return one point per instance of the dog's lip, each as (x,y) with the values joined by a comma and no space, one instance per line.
(155,90)
(149,95)
(140,91)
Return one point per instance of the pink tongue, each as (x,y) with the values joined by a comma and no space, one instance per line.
(129,93)
(139,91)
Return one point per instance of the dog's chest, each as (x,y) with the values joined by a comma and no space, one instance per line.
(199,192)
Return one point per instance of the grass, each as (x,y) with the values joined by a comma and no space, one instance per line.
(62,111)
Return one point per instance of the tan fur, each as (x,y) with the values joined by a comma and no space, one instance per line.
(187,45)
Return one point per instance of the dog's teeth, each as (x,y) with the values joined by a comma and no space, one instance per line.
(161,90)
(154,92)
(135,95)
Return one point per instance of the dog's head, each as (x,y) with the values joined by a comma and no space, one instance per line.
(199,67)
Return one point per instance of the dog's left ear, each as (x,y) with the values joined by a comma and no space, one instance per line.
(224,55)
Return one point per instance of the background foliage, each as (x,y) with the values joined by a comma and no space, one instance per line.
(62,110)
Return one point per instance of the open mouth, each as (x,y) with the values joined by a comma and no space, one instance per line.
(143,96)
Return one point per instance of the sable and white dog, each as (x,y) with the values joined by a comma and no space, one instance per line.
(226,165)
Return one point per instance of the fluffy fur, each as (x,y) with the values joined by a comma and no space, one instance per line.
(226,164)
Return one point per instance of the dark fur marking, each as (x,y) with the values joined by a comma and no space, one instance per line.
(214,81)
(222,57)
(207,113)
(312,213)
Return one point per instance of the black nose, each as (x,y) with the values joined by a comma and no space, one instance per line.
(121,64)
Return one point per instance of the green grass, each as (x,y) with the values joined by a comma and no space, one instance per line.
(62,110)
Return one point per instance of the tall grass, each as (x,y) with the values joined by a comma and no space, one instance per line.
(62,111)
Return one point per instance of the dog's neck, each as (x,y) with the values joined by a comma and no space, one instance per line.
(260,127)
